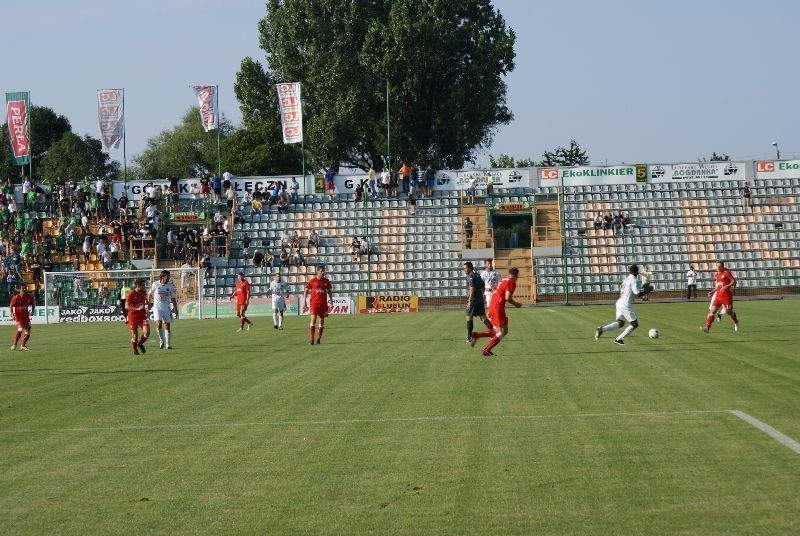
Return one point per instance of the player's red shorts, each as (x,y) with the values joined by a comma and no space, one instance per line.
(138,321)
(204,189)
(241,308)
(498,317)
(722,300)
(318,309)
(23,321)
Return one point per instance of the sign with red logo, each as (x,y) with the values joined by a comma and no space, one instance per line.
(765,167)
(17,117)
(111,117)
(778,169)
(548,174)
(291,112)
(207,97)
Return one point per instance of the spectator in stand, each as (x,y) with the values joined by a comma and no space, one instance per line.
(246,244)
(385,182)
(283,204)
(194,192)
(171,243)
(617,223)
(313,239)
(219,217)
(355,245)
(114,248)
(205,190)
(122,204)
(257,208)
(238,215)
(105,259)
(471,189)
(412,203)
(598,222)
(359,193)
(691,283)
(364,246)
(608,222)
(216,189)
(405,177)
(284,256)
(371,181)
(330,183)
(274,194)
(421,181)
(468,232)
(258,259)
(269,258)
(26,187)
(247,200)
(87,250)
(230,197)
(489,184)
(294,189)
(645,275)
(627,223)
(394,181)
(295,240)
(226,226)
(299,259)
(746,193)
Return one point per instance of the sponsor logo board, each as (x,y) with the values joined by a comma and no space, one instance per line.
(779,169)
(392,303)
(41,315)
(696,171)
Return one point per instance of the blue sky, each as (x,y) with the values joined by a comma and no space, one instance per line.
(631,80)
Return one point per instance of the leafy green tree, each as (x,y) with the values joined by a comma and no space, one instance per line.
(184,151)
(719,157)
(47,128)
(507,161)
(569,156)
(444,62)
(100,163)
(67,158)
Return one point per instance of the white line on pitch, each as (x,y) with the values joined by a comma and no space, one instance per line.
(366,421)
(778,436)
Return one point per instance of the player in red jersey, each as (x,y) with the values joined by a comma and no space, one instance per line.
(242,293)
(319,288)
(722,297)
(21,308)
(504,293)
(136,306)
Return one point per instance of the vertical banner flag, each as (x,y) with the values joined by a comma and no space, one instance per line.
(110,117)
(291,112)
(18,108)
(207,97)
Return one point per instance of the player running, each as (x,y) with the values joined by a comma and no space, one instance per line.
(242,293)
(279,291)
(22,306)
(136,306)
(476,306)
(491,278)
(321,298)
(628,290)
(163,298)
(721,297)
(497,312)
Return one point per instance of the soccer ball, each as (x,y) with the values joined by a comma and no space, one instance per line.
(653,333)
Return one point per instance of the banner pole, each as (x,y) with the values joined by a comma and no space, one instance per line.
(30,141)
(219,125)
(388,132)
(302,135)
(124,142)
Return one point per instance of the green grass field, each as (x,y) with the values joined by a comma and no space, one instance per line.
(395,426)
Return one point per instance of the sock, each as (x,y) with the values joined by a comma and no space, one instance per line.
(25,339)
(488,333)
(626,332)
(709,321)
(160,332)
(311,330)
(133,345)
(319,335)
(609,327)
(247,320)
(470,325)
(731,314)
(168,336)
(142,340)
(241,322)
(16,337)
(492,343)
(487,323)
(275,318)
(280,321)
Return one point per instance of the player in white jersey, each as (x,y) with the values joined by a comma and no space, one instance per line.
(491,278)
(279,291)
(628,290)
(163,298)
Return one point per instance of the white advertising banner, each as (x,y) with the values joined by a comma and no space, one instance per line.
(778,169)
(207,98)
(448,180)
(696,171)
(110,117)
(342,305)
(40,316)
(291,112)
(240,184)
(587,175)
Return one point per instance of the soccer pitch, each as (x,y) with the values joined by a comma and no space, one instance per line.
(395,426)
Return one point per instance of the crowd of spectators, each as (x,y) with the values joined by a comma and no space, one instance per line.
(613,222)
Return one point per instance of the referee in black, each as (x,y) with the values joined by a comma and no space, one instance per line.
(476,304)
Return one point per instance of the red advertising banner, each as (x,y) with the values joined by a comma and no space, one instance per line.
(111,117)
(17,114)
(207,98)
(291,112)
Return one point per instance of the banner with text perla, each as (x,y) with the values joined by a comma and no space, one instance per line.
(445,180)
(587,175)
(208,100)
(696,171)
(110,117)
(240,184)
(778,169)
(291,105)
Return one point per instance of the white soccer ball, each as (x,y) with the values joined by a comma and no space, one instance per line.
(653,333)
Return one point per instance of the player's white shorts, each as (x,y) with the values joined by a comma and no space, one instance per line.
(488,295)
(624,310)
(162,313)
(279,305)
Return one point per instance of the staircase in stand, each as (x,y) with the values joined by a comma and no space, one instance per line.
(519,258)
(547,225)
(480,237)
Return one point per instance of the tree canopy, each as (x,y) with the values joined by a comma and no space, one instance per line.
(566,156)
(443,60)
(505,161)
